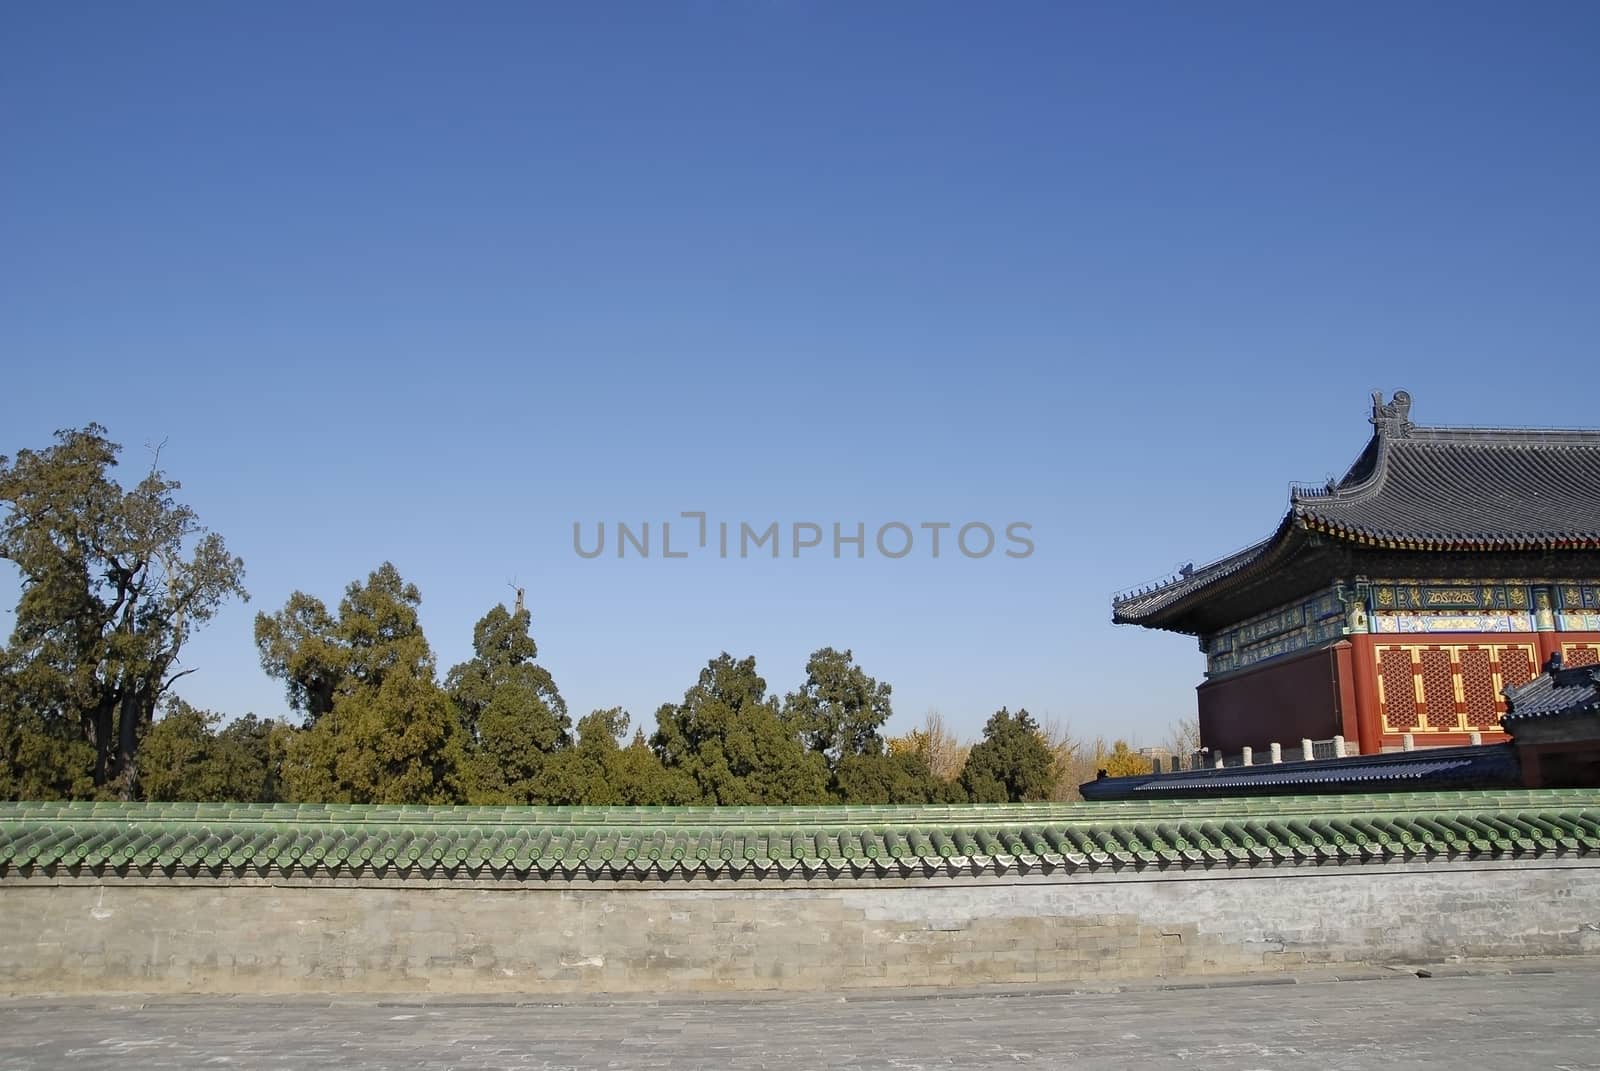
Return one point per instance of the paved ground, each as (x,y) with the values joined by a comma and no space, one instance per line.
(1520,1021)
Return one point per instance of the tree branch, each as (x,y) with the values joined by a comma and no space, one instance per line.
(155,454)
(175,676)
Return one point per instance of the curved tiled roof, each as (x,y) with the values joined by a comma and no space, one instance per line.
(1133,606)
(1462,489)
(1473,766)
(1563,692)
(1428,489)
(531,844)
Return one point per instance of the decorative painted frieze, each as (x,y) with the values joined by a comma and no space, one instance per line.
(1407,607)
(1578,596)
(1423,623)
(1577,607)
(1418,607)
(1390,595)
(1284,630)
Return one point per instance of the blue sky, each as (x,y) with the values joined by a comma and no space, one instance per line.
(430,283)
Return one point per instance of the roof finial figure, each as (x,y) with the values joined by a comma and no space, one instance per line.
(1393,418)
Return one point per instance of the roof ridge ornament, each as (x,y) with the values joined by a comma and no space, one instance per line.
(1394,418)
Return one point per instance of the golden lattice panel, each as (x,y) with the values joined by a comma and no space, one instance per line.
(1580,654)
(1448,687)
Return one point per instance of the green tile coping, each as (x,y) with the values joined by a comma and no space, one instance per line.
(101,837)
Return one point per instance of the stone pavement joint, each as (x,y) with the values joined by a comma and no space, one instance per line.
(1483,1017)
(1322,976)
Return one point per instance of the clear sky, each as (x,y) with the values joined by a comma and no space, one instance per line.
(430,283)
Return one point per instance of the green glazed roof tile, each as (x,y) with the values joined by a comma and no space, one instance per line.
(549,842)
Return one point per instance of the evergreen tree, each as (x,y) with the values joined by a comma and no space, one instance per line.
(510,707)
(42,756)
(727,737)
(379,728)
(1012,763)
(114,582)
(320,657)
(838,711)
(901,777)
(638,779)
(599,771)
(185,757)
(398,742)
(606,773)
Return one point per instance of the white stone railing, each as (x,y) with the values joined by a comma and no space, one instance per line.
(1306,750)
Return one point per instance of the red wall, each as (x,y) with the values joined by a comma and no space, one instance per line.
(1285,700)
(1441,687)
(1438,688)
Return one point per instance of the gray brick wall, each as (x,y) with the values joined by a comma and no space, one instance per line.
(264,937)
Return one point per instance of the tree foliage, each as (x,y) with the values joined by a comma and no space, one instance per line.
(42,757)
(893,777)
(320,657)
(1121,761)
(727,737)
(839,710)
(114,582)
(397,742)
(185,757)
(513,714)
(599,771)
(944,753)
(379,729)
(1011,764)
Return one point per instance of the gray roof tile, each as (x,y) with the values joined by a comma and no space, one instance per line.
(1451,488)
(1554,694)
(1424,489)
(1481,766)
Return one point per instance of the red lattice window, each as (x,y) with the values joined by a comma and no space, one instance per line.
(1579,654)
(1400,701)
(1516,666)
(1438,689)
(1484,707)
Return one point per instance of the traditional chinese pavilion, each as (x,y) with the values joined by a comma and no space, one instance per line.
(1446,566)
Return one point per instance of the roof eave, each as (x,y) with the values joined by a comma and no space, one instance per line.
(1312,522)
(1168,617)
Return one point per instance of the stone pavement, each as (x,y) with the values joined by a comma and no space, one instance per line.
(1523,1017)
